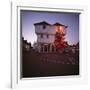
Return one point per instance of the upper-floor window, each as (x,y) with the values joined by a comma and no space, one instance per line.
(44,26)
(41,35)
(47,36)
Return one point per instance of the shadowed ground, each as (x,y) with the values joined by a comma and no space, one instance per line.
(49,64)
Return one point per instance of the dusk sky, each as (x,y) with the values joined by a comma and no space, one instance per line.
(69,19)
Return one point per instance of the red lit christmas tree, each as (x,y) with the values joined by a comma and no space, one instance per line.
(60,38)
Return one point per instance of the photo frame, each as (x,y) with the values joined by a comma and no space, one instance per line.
(16,57)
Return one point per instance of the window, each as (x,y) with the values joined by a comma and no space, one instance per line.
(47,36)
(41,35)
(44,26)
(61,29)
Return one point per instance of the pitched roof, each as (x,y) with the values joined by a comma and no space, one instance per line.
(59,24)
(42,23)
(45,23)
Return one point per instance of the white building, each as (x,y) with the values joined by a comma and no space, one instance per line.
(46,35)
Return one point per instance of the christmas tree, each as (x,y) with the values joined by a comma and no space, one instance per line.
(60,38)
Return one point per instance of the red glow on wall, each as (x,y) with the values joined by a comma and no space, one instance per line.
(60,38)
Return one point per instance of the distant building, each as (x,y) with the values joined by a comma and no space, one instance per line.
(26,46)
(46,35)
(72,48)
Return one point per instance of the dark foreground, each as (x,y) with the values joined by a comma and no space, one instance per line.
(51,64)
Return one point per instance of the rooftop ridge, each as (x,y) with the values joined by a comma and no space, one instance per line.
(46,23)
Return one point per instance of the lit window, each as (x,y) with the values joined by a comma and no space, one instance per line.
(61,29)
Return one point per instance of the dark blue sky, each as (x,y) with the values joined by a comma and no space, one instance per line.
(69,19)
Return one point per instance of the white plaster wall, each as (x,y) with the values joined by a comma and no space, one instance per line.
(50,39)
(51,30)
(48,29)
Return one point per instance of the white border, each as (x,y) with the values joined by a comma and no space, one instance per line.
(51,81)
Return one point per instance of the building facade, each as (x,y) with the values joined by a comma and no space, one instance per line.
(46,35)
